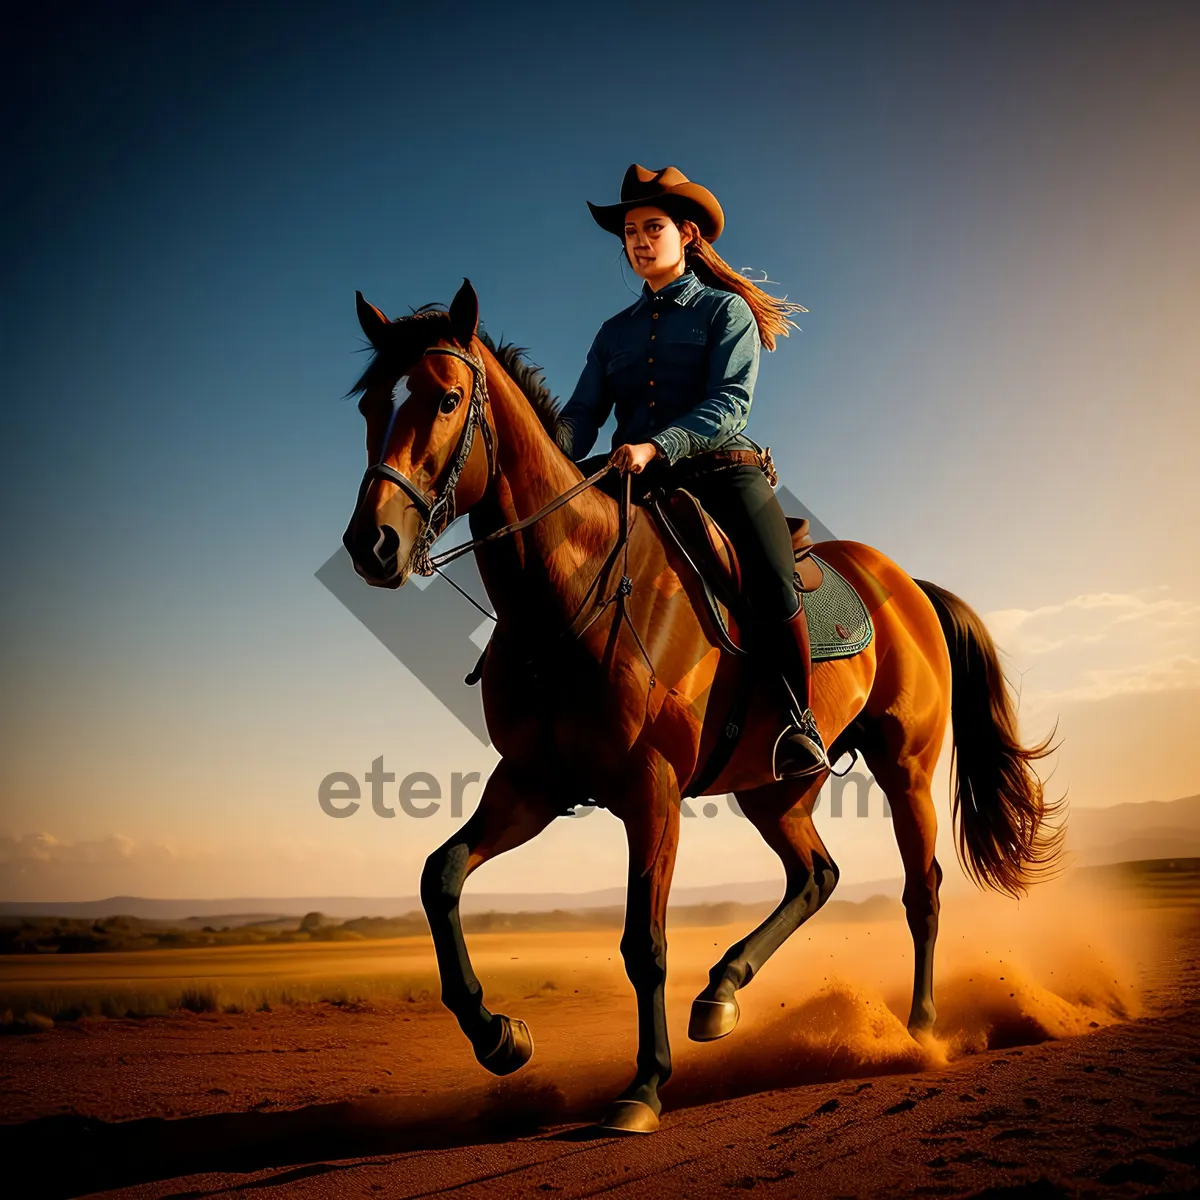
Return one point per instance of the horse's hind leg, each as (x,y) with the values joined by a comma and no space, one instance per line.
(782,813)
(514,808)
(906,783)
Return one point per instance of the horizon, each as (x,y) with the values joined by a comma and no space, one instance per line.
(955,882)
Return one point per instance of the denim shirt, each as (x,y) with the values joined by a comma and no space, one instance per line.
(679,365)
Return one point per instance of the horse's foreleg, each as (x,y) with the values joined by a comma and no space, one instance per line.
(782,813)
(514,808)
(650,812)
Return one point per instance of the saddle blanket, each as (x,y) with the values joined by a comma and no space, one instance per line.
(838,622)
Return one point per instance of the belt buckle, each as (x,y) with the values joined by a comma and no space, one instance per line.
(768,466)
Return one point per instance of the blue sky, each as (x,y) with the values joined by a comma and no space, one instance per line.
(990,213)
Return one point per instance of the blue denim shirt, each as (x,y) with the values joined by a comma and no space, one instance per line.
(678,365)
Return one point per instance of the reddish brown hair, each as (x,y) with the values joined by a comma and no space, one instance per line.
(770,315)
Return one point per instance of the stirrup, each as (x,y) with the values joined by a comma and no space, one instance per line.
(802,733)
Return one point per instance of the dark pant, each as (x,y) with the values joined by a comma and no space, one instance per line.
(743,503)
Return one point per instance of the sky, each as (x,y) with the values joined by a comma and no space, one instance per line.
(990,212)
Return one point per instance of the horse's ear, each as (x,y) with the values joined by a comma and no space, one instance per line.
(464,314)
(373,322)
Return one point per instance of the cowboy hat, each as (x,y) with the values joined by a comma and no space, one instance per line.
(643,186)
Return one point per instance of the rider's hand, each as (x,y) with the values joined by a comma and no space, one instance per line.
(634,458)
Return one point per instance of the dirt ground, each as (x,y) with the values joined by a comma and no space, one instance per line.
(1067,1063)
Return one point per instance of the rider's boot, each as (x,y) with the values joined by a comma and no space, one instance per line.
(798,750)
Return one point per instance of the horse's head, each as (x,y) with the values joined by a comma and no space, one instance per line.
(429,436)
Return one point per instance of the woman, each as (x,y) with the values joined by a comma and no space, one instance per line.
(679,367)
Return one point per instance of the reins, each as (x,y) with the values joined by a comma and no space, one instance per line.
(447,556)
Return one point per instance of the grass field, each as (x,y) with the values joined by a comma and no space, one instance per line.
(519,958)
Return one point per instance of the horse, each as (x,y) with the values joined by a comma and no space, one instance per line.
(625,719)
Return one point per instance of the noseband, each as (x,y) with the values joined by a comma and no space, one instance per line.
(438,511)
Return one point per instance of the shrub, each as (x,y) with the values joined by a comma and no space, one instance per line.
(199,1000)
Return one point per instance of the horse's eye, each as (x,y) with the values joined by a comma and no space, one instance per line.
(450,401)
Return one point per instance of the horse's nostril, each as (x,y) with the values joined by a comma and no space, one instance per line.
(387,544)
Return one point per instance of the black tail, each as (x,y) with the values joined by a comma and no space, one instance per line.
(1006,830)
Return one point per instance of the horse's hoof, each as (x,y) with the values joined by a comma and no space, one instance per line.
(512,1051)
(712,1019)
(920,1022)
(629,1116)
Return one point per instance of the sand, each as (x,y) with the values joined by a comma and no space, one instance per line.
(1067,1062)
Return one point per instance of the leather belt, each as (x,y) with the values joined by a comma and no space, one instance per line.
(696,465)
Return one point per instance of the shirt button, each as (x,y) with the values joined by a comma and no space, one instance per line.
(653,336)
(655,316)
(651,403)
(649,360)
(652,383)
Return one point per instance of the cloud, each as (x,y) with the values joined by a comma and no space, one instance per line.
(1102,644)
(1087,619)
(44,849)
(1099,684)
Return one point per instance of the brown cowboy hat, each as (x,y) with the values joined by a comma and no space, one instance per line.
(643,186)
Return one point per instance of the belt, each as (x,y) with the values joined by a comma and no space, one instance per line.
(695,465)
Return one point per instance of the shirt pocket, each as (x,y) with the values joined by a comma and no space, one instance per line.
(685,343)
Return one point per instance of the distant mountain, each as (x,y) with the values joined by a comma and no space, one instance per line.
(1131,832)
(1151,829)
(1163,882)
(239,912)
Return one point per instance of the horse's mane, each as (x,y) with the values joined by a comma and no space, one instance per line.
(411,336)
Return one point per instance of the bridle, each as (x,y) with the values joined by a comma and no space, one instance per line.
(437,512)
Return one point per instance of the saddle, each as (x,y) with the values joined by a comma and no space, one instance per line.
(710,556)
(710,564)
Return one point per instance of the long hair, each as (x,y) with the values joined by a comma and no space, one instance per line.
(770,314)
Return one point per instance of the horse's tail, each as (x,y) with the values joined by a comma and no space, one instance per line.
(1005,827)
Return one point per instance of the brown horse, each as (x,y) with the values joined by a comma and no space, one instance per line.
(626,717)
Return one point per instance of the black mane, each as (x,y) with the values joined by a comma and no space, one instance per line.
(409,337)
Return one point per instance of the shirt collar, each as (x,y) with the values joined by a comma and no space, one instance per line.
(679,290)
